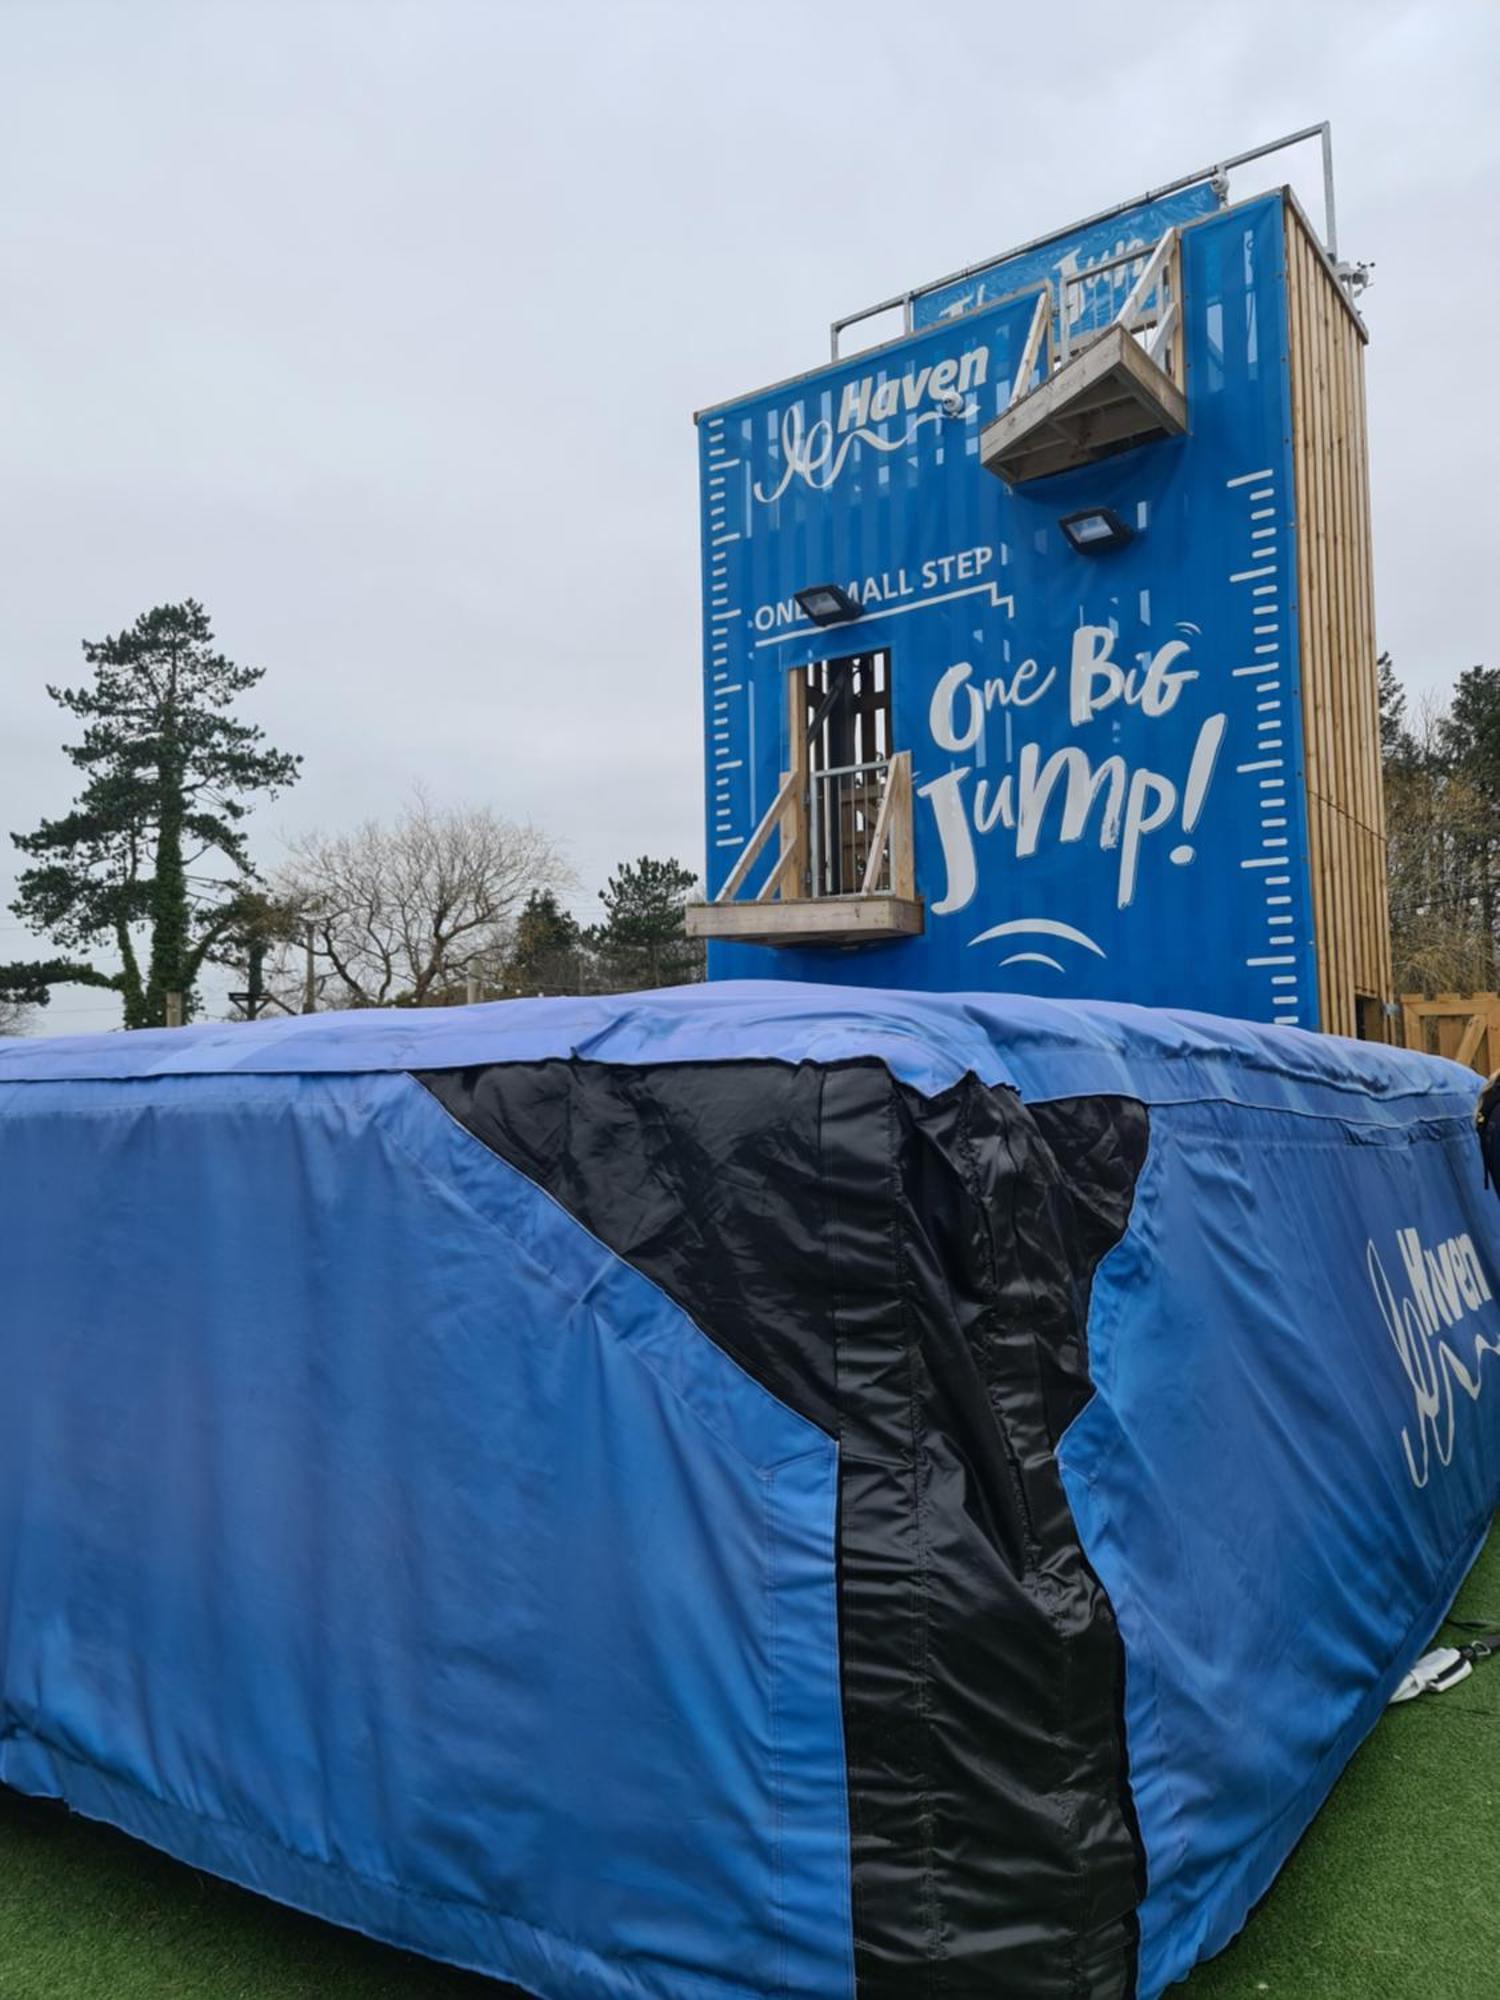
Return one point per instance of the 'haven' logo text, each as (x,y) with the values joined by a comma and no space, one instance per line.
(816,452)
(1444,1286)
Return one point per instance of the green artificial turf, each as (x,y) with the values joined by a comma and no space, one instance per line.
(1393,1895)
(86,1914)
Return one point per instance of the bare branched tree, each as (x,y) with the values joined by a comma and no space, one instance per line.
(404,913)
(15,1017)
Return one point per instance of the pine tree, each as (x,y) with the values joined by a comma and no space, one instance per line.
(643,940)
(1396,741)
(168,770)
(1472,732)
(546,956)
(1471,745)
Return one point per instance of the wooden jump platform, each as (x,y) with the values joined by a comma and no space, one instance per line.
(1107,399)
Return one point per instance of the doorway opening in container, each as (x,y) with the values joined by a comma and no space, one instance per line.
(847,705)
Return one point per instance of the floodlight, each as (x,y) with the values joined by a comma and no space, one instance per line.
(1094,530)
(827,604)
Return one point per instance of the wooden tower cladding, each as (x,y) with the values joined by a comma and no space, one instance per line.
(1336,607)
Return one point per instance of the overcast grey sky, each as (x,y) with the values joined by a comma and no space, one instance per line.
(378,326)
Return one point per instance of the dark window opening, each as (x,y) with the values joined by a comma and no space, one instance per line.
(848,723)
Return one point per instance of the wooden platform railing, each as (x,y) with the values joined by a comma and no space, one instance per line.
(890,845)
(890,849)
(791,905)
(1149,312)
(788,814)
(1105,377)
(1067,318)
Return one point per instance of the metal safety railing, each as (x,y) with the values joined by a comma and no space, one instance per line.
(844,832)
(1216,174)
(848,853)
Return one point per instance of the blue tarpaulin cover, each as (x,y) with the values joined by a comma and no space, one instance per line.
(377,1532)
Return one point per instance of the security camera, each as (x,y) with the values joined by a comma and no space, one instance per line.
(953,404)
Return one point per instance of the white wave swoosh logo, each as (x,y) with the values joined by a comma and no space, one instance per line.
(1044,927)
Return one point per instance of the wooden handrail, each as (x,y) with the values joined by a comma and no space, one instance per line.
(882,833)
(1162,332)
(1041,325)
(785,865)
(759,839)
(903,856)
(1151,270)
(891,837)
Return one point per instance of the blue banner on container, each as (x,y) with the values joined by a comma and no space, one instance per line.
(1106,749)
(1071,257)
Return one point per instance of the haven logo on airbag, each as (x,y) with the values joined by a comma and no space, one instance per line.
(1443,1287)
